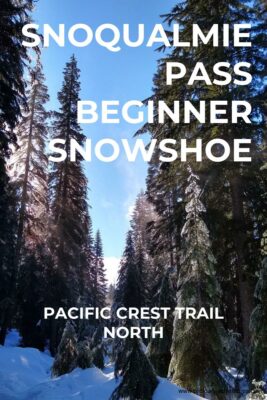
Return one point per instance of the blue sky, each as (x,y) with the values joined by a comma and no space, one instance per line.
(122,76)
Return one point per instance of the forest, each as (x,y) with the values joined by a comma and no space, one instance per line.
(198,232)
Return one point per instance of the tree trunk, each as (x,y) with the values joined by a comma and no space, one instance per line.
(239,238)
(22,210)
(3,329)
(21,220)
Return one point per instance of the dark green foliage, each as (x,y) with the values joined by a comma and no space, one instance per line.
(159,350)
(143,217)
(138,377)
(31,298)
(258,326)
(98,356)
(70,239)
(66,357)
(8,226)
(97,347)
(197,347)
(13,58)
(69,224)
(28,166)
(110,294)
(129,290)
(98,274)
(234,192)
(84,357)
(142,266)
(128,293)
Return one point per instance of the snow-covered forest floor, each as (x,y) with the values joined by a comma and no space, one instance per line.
(25,375)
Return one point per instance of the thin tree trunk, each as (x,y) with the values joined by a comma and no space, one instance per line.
(202,388)
(4,328)
(22,211)
(240,237)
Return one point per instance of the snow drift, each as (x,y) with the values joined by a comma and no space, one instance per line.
(25,375)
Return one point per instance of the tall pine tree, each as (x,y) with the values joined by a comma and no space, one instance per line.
(138,377)
(13,59)
(197,347)
(243,183)
(139,380)
(159,349)
(28,166)
(98,274)
(28,169)
(69,218)
(128,291)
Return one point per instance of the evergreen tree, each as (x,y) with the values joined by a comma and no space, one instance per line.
(31,295)
(97,347)
(84,355)
(28,169)
(128,293)
(98,356)
(129,289)
(88,261)
(110,294)
(28,166)
(142,266)
(151,245)
(159,350)
(13,58)
(243,183)
(138,377)
(66,357)
(143,215)
(98,274)
(258,320)
(197,353)
(69,221)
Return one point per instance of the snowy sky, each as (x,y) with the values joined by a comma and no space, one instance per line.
(122,76)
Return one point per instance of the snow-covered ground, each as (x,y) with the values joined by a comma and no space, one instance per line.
(25,375)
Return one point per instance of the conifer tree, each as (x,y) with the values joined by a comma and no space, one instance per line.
(88,260)
(121,295)
(69,220)
(197,353)
(138,377)
(13,59)
(28,169)
(31,295)
(110,294)
(97,347)
(28,166)
(84,355)
(128,291)
(66,357)
(148,256)
(258,320)
(159,350)
(98,274)
(142,265)
(143,215)
(98,356)
(241,181)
